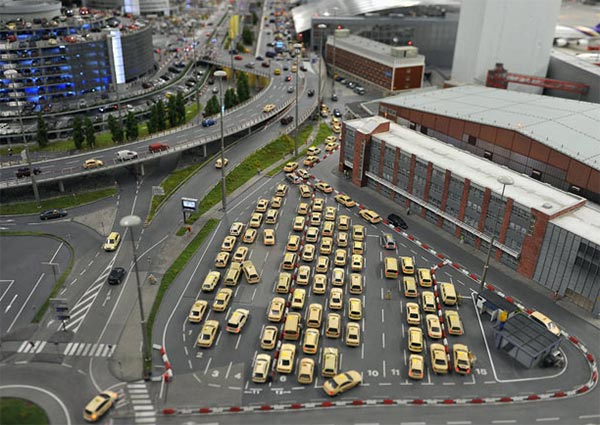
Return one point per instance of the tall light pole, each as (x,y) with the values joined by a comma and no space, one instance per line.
(131,221)
(12,74)
(322,28)
(297,49)
(504,181)
(220,74)
(333,74)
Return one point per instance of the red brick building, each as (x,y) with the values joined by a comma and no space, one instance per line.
(379,65)
(545,234)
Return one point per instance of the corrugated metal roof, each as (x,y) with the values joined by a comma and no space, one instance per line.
(567,126)
(302,15)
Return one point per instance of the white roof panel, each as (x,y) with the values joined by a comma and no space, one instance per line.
(584,222)
(568,126)
(525,190)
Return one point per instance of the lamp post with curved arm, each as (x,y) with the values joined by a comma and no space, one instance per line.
(12,74)
(220,74)
(297,49)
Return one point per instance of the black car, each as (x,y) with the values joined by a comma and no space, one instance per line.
(287,120)
(334,97)
(50,214)
(260,58)
(337,113)
(311,93)
(116,276)
(26,172)
(397,221)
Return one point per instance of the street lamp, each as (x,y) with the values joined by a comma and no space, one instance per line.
(297,49)
(130,222)
(220,74)
(321,27)
(12,74)
(504,181)
(333,75)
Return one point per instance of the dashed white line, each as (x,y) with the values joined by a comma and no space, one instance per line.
(382,316)
(383,341)
(504,421)
(458,422)
(546,419)
(589,416)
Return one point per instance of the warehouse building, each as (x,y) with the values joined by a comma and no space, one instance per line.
(543,233)
(550,139)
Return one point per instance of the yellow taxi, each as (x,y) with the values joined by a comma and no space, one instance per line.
(306,371)
(352,334)
(210,281)
(268,338)
(428,301)
(345,200)
(310,344)
(221,260)
(330,213)
(318,204)
(262,205)
(207,335)
(293,243)
(324,187)
(371,216)
(310,160)
(249,236)
(342,239)
(358,232)
(237,320)
(413,316)
(298,298)
(313,150)
(312,234)
(319,284)
(342,383)
(276,201)
(315,219)
(343,222)
(241,253)
(302,208)
(336,299)
(228,243)
(276,309)
(340,257)
(439,361)
(434,330)
(453,322)
(354,309)
(219,163)
(92,163)
(462,359)
(197,311)
(285,363)
(298,225)
(236,229)
(415,366)
(336,128)
(290,167)
(303,275)
(333,325)
(256,220)
(261,369)
(331,146)
(326,246)
(222,299)
(269,237)
(357,263)
(268,108)
(322,264)
(99,405)
(337,276)
(301,172)
(112,242)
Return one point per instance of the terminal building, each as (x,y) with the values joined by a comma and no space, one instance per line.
(550,139)
(389,69)
(61,58)
(545,234)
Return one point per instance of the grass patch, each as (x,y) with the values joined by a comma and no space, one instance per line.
(17,411)
(177,266)
(170,185)
(322,134)
(261,159)
(67,201)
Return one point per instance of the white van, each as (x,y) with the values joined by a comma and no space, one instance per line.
(126,155)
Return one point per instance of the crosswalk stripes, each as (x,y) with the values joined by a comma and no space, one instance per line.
(76,349)
(143,408)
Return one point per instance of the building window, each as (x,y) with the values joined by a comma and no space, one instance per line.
(423,129)
(536,174)
(488,155)
(413,126)
(472,140)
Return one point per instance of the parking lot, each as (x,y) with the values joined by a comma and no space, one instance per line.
(381,357)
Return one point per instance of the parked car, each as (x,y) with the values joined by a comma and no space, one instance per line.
(397,221)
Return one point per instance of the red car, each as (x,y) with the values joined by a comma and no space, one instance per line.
(265,64)
(238,57)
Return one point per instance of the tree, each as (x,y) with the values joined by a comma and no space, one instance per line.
(42,131)
(243,88)
(78,137)
(115,128)
(254,18)
(161,119)
(212,106)
(247,36)
(131,126)
(230,99)
(90,133)
(172,111)
(180,106)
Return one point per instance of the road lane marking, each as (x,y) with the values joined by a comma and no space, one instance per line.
(10,304)
(25,303)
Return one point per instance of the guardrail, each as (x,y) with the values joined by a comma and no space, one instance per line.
(78,171)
